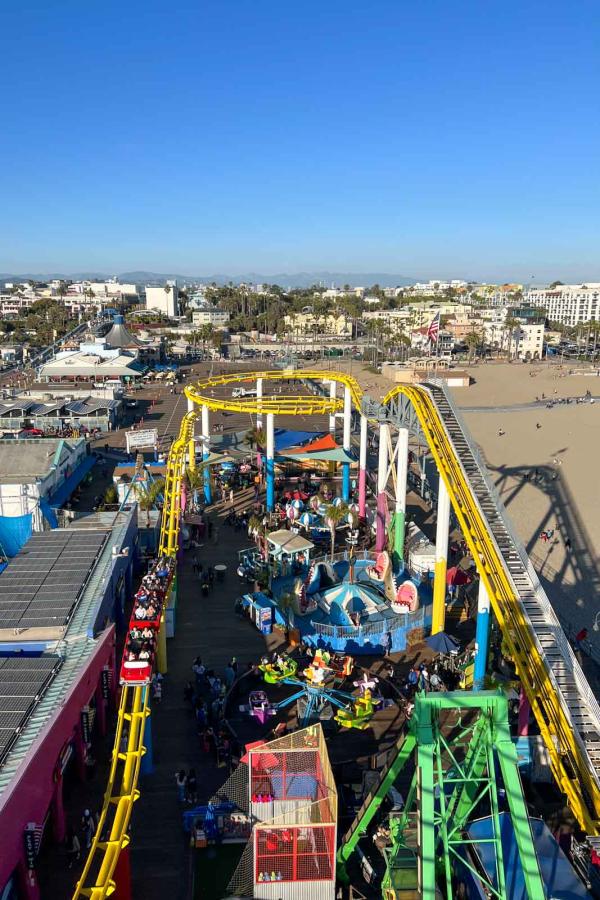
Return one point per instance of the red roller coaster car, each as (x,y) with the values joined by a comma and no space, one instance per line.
(140,647)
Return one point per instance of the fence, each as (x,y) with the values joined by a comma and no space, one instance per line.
(293,803)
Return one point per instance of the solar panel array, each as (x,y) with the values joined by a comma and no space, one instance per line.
(22,681)
(41,585)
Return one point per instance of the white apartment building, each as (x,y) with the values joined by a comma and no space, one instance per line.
(569,304)
(218,318)
(101,289)
(434,287)
(163,299)
(307,323)
(521,342)
(12,305)
(396,319)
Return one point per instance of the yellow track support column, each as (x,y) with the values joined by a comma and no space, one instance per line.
(441,556)
(161,646)
(192,455)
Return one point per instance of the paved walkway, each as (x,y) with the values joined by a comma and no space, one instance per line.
(207,627)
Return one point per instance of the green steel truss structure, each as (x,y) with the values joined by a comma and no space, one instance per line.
(461,744)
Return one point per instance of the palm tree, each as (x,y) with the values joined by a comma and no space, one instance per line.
(334,514)
(512,325)
(474,341)
(148,494)
(255,436)
(258,530)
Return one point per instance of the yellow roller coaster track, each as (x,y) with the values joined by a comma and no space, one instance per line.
(569,763)
(112,834)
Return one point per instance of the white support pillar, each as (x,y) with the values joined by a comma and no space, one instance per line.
(441,557)
(347,442)
(206,452)
(259,394)
(401,483)
(332,396)
(482,637)
(362,467)
(382,474)
(270,462)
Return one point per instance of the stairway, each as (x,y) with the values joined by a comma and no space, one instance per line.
(573,690)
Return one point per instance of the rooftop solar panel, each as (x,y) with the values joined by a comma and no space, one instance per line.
(41,585)
(22,681)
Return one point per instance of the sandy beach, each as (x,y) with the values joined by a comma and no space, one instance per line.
(545,468)
(547,476)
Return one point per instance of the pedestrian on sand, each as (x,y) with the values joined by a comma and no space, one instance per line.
(579,638)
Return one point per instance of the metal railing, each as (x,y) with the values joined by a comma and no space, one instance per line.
(540,594)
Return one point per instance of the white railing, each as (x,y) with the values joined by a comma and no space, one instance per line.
(414,619)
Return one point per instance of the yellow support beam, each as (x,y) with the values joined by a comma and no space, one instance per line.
(119,797)
(568,761)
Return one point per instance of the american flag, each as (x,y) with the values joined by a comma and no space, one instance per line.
(434,329)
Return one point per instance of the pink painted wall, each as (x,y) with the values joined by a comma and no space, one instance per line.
(29,795)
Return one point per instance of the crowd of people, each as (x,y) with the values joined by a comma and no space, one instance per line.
(204,695)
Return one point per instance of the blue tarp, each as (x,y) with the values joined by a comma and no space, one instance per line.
(14,532)
(559,878)
(284,438)
(62,494)
(49,513)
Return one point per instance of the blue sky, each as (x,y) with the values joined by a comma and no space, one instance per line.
(433,138)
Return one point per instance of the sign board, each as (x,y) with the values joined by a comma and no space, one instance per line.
(139,439)
(85,726)
(30,842)
(105,684)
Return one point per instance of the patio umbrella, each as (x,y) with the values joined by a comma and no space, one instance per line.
(442,643)
(456,575)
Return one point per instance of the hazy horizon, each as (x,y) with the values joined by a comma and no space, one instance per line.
(452,139)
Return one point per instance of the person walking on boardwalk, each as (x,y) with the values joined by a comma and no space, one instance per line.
(181,783)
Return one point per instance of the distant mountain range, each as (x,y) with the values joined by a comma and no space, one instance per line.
(284,279)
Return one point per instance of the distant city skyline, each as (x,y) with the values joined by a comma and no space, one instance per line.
(440,140)
(295,279)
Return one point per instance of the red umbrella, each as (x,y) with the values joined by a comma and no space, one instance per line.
(456,575)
